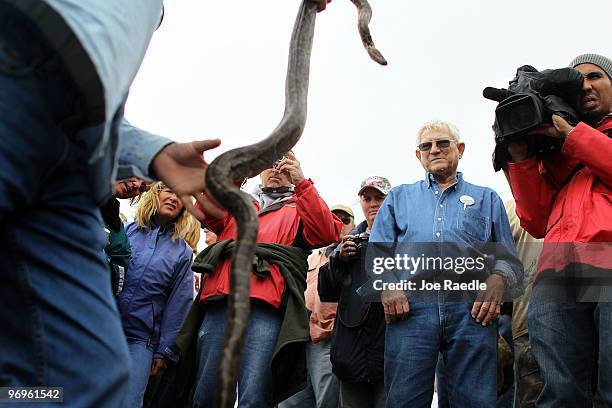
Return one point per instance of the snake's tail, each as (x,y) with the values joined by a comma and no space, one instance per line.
(376,55)
(364,16)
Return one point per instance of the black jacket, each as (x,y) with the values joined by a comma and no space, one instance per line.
(358,340)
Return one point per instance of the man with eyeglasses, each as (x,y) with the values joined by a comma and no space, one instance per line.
(444,214)
(565,198)
(323,388)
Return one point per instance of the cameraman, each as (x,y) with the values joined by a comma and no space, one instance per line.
(565,198)
(358,340)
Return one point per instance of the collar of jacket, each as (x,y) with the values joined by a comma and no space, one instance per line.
(362,227)
(605,125)
(162,228)
(278,205)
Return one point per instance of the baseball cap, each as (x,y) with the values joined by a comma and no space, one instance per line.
(340,207)
(379,183)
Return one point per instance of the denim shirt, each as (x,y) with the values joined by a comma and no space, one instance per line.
(158,289)
(423,213)
(103,44)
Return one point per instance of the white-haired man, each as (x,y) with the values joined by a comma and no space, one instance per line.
(444,215)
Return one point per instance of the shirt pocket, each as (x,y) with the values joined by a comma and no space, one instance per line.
(475,226)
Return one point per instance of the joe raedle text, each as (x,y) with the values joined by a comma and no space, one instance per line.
(447,284)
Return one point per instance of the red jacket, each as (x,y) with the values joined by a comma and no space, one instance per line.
(568,199)
(320,227)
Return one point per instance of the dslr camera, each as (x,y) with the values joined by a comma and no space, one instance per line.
(360,240)
(531,99)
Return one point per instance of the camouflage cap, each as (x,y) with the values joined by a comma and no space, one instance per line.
(379,183)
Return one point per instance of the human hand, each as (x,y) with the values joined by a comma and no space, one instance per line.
(159,365)
(395,305)
(291,167)
(488,302)
(204,197)
(348,249)
(181,166)
(323,4)
(562,126)
(518,151)
(558,130)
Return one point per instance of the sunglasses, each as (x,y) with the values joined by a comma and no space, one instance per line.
(346,220)
(442,144)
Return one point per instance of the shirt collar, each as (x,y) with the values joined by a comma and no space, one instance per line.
(429,178)
(162,230)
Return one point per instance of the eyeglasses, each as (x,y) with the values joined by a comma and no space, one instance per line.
(442,144)
(346,220)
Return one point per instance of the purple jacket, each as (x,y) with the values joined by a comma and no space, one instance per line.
(158,288)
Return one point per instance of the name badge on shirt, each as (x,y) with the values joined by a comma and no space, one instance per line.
(466,200)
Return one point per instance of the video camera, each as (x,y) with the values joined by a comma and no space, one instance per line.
(531,99)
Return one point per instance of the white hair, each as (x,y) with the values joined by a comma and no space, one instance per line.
(440,126)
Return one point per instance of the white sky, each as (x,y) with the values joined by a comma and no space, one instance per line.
(217,69)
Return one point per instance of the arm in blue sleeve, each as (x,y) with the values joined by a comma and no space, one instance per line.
(137,149)
(383,237)
(507,263)
(177,306)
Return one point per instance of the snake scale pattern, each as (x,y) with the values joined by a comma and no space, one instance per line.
(249,161)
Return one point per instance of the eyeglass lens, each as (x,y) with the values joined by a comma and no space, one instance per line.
(442,144)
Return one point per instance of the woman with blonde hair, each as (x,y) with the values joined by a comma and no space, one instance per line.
(158,288)
(191,233)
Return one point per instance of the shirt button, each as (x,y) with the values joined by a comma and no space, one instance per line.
(439,218)
(441,205)
(437,234)
(436,192)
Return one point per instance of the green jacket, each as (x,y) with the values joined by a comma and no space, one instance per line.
(118,250)
(289,359)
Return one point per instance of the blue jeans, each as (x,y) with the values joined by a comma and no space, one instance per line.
(565,337)
(60,325)
(141,358)
(255,377)
(506,400)
(468,349)
(323,388)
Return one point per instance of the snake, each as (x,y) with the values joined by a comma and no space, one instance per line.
(249,161)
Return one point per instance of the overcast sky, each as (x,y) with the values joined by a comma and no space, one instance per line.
(217,69)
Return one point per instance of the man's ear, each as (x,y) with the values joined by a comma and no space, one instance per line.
(418,154)
(461,148)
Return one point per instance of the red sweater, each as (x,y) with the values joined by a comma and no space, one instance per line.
(568,199)
(320,227)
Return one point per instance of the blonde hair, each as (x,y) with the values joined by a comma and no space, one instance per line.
(440,126)
(148,206)
(192,233)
